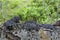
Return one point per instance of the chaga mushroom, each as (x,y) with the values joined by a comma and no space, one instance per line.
(9,25)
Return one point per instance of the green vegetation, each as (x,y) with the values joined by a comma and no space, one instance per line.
(42,11)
